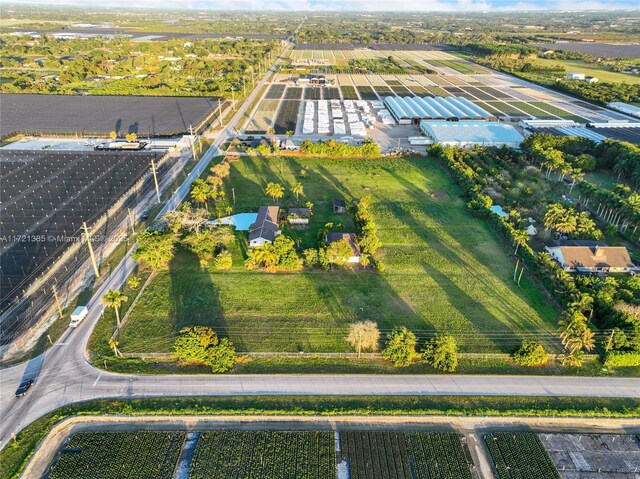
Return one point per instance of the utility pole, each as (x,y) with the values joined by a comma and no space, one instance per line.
(233,99)
(93,258)
(520,277)
(55,295)
(219,112)
(244,89)
(193,148)
(132,223)
(155,179)
(610,340)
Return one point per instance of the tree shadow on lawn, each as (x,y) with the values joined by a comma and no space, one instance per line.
(267,169)
(195,299)
(351,295)
(470,308)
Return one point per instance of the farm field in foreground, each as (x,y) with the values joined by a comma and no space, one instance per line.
(520,455)
(264,454)
(111,455)
(445,270)
(404,455)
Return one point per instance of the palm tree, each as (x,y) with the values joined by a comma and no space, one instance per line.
(114,299)
(113,135)
(576,175)
(289,133)
(309,205)
(520,238)
(275,190)
(113,345)
(266,256)
(582,302)
(297,189)
(201,192)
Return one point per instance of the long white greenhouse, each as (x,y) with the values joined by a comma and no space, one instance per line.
(407,110)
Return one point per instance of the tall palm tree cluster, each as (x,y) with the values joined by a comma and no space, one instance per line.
(202,191)
(276,190)
(566,220)
(620,207)
(576,334)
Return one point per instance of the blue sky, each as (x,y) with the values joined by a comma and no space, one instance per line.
(365,5)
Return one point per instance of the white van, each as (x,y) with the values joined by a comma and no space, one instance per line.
(78,315)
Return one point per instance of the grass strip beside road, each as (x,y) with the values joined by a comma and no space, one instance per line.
(15,456)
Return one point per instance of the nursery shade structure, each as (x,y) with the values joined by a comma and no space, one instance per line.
(470,133)
(411,109)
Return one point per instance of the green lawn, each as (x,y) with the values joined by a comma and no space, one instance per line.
(445,269)
(590,69)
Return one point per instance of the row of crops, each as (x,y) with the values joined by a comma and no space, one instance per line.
(404,455)
(520,456)
(264,455)
(115,455)
(229,454)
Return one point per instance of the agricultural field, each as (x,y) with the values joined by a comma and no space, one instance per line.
(445,270)
(114,455)
(590,69)
(147,116)
(520,455)
(404,455)
(262,120)
(264,454)
(349,92)
(287,117)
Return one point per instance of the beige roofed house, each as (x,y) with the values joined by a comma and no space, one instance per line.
(592,258)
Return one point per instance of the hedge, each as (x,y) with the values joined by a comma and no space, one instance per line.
(622,359)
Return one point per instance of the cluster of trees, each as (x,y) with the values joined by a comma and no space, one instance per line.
(621,157)
(368,149)
(280,255)
(209,244)
(564,155)
(567,221)
(441,352)
(200,345)
(202,191)
(123,67)
(367,237)
(531,354)
(327,255)
(600,92)
(339,252)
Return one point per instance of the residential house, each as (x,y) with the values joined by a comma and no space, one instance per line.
(349,238)
(265,229)
(590,257)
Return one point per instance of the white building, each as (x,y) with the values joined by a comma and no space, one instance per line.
(575,76)
(469,133)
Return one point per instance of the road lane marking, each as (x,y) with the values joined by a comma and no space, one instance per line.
(97,379)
